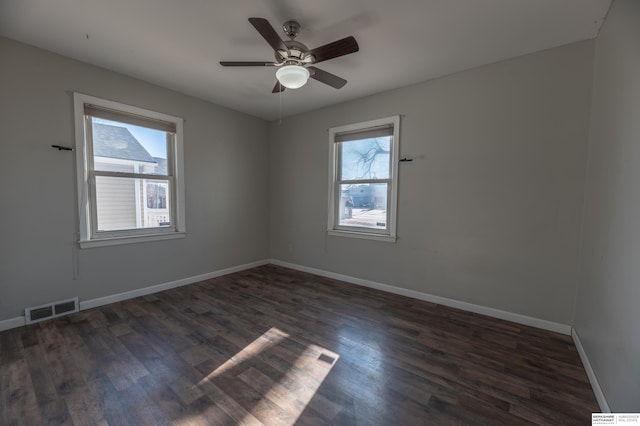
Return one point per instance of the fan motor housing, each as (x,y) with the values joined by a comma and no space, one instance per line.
(296,52)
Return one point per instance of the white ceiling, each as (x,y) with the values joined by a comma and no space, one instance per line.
(178,44)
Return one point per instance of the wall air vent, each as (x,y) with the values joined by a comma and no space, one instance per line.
(51,310)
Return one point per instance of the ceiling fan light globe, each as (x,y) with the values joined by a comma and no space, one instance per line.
(292,76)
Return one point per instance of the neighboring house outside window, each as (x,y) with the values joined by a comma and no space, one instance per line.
(131,189)
(363,177)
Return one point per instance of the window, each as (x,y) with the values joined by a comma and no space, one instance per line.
(156,196)
(130,177)
(363,176)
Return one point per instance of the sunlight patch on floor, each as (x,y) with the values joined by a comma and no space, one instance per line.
(293,390)
(302,382)
(270,338)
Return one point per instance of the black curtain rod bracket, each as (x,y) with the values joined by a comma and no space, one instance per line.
(63,148)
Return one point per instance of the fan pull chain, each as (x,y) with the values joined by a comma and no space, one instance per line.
(280,100)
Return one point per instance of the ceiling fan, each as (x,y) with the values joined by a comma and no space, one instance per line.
(295,60)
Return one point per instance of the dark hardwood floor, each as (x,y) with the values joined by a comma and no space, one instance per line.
(276,346)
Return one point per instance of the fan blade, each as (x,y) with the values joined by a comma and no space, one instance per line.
(247,64)
(326,77)
(268,33)
(278,88)
(333,50)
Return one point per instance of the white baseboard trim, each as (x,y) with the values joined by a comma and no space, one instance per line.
(12,323)
(94,303)
(479,309)
(595,385)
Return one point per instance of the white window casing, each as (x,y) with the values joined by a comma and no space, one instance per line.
(85,109)
(388,127)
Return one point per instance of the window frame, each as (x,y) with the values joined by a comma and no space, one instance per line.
(333,223)
(89,236)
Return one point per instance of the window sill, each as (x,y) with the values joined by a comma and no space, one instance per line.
(362,235)
(114,241)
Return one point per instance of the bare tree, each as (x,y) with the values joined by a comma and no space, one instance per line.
(367,157)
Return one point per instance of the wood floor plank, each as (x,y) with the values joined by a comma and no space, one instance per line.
(273,346)
(19,399)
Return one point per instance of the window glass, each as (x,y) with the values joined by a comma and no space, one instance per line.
(120,144)
(365,159)
(117,199)
(364,205)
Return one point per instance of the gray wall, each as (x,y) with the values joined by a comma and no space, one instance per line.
(608,304)
(225,168)
(489,212)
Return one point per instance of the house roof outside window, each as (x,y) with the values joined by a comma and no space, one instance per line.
(117,142)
